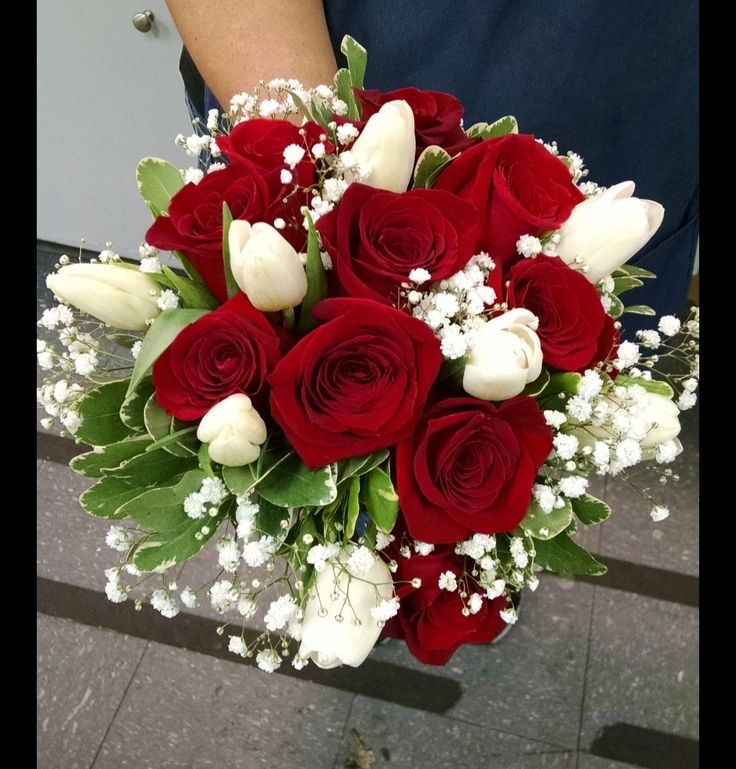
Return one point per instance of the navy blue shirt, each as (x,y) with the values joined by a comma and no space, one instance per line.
(614,80)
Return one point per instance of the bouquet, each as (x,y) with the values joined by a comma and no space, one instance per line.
(381,381)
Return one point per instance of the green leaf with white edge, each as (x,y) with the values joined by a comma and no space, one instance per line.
(432,160)
(106,459)
(162,333)
(161,426)
(344,88)
(541,525)
(269,517)
(194,294)
(625,284)
(131,412)
(617,306)
(634,271)
(352,510)
(154,468)
(655,386)
(379,498)
(476,130)
(347,468)
(300,105)
(164,549)
(100,413)
(293,484)
(501,127)
(590,510)
(538,385)
(241,480)
(162,509)
(316,281)
(562,556)
(107,496)
(158,182)
(227,220)
(357,57)
(640,309)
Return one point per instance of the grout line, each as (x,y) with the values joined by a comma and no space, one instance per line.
(339,752)
(117,709)
(585,679)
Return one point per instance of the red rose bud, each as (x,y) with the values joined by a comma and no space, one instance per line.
(228,351)
(376,238)
(518,188)
(430,619)
(469,467)
(356,384)
(573,329)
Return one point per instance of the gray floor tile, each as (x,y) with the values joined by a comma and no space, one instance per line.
(82,676)
(531,683)
(188,711)
(586,761)
(643,667)
(401,737)
(631,535)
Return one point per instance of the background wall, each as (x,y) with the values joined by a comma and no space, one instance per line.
(107,96)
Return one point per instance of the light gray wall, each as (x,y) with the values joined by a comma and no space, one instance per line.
(108,95)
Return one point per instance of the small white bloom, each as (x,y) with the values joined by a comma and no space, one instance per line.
(213,490)
(320,554)
(690,385)
(188,597)
(518,552)
(649,338)
(191,176)
(386,609)
(669,325)
(590,385)
(247,607)
(237,645)
(162,602)
(339,107)
(135,350)
(566,445)
(628,355)
(318,150)
(286,176)
(383,540)
(554,419)
(601,454)
(85,363)
(529,246)
(168,300)
(194,505)
(509,615)
(545,497)
(419,275)
(268,660)
(346,133)
(667,452)
(258,552)
(628,452)
(573,487)
(496,589)
(447,581)
(475,603)
(280,613)
(360,561)
(118,539)
(686,400)
(223,596)
(293,154)
(423,548)
(659,513)
(228,554)
(115,592)
(579,408)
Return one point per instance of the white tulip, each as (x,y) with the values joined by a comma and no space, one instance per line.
(504,357)
(265,266)
(234,431)
(328,641)
(387,145)
(111,293)
(605,231)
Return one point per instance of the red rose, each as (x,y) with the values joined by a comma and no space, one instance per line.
(356,384)
(572,322)
(227,351)
(431,620)
(377,237)
(194,223)
(437,116)
(470,466)
(518,187)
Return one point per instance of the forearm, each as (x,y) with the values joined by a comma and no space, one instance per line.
(236,43)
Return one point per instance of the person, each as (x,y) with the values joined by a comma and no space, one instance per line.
(615,82)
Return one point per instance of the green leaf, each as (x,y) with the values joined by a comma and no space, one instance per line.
(653,385)
(131,412)
(562,556)
(452,372)
(292,484)
(162,333)
(590,510)
(640,309)
(353,507)
(105,459)
(347,468)
(100,413)
(559,389)
(432,160)
(380,499)
(162,509)
(154,468)
(240,480)
(158,182)
(344,88)
(541,525)
(301,106)
(357,57)
(268,520)
(538,385)
(316,281)
(625,284)
(175,437)
(107,496)
(162,426)
(501,127)
(634,271)
(194,294)
(617,307)
(205,462)
(227,220)
(476,130)
(164,549)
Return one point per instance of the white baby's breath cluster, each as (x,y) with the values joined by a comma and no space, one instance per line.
(454,308)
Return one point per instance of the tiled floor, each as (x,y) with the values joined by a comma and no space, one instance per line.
(590,678)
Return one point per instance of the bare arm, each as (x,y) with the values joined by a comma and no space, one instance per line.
(236,43)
